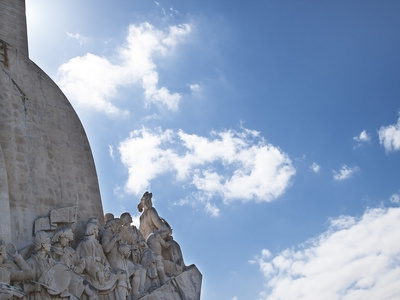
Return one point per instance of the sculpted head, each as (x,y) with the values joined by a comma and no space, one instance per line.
(164,232)
(108,216)
(145,201)
(114,225)
(126,218)
(63,236)
(94,220)
(92,229)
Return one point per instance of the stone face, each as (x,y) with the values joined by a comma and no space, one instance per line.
(45,157)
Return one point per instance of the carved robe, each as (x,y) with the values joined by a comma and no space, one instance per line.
(96,264)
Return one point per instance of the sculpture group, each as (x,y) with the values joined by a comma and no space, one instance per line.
(117,261)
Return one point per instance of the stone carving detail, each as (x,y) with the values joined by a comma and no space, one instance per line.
(57,217)
(114,263)
(12,272)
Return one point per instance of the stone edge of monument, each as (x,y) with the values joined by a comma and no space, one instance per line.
(189,281)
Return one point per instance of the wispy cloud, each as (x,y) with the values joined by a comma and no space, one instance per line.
(231,165)
(212,209)
(195,87)
(111,151)
(362,138)
(395,198)
(345,172)
(354,259)
(92,81)
(315,167)
(389,136)
(76,36)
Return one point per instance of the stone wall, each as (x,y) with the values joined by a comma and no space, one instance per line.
(45,157)
(13,24)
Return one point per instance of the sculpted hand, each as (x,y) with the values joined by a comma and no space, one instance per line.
(12,250)
(100,276)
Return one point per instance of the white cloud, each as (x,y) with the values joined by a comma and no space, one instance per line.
(315,167)
(230,165)
(351,260)
(389,137)
(92,81)
(345,172)
(362,137)
(395,198)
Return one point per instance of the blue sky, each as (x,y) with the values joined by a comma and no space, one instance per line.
(268,132)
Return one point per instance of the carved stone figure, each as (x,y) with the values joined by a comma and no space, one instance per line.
(150,223)
(11,272)
(52,278)
(61,251)
(97,268)
(149,219)
(172,254)
(158,242)
(132,237)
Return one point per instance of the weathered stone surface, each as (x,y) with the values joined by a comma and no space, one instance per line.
(13,24)
(186,286)
(45,157)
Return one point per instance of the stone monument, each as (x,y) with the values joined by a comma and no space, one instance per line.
(52,241)
(45,158)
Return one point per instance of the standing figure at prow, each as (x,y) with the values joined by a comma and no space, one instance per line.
(158,234)
(149,220)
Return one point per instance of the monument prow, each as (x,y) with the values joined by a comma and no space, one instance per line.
(53,241)
(45,158)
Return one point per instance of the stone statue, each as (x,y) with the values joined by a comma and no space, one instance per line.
(122,265)
(157,242)
(62,252)
(149,219)
(98,271)
(160,243)
(52,278)
(151,223)
(132,237)
(11,272)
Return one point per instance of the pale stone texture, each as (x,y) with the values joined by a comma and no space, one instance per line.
(186,286)
(13,24)
(45,157)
